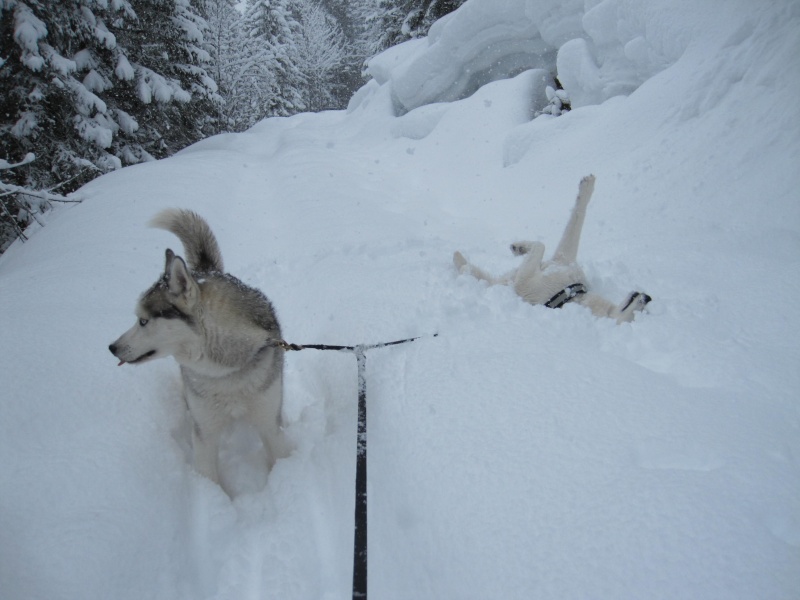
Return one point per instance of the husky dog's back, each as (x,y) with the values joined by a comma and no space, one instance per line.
(223,334)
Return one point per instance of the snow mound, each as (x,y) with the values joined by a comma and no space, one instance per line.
(597,49)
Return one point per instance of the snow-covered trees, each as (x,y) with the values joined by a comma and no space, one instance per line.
(306,52)
(97,84)
(241,66)
(92,85)
(389,22)
(88,86)
(322,52)
(169,90)
(19,204)
(272,26)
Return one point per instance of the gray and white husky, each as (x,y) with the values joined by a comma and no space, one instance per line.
(559,280)
(222,333)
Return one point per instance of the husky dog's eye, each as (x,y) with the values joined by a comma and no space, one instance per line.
(142,322)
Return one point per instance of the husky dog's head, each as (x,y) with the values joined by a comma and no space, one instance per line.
(166,324)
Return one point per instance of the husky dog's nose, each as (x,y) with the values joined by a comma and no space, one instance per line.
(113,349)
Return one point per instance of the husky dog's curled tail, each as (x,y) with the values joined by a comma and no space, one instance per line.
(199,244)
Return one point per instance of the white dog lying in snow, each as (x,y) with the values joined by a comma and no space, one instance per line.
(559,280)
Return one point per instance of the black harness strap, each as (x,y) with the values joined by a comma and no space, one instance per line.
(566,295)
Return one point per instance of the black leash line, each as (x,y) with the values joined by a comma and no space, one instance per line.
(287,346)
(360,529)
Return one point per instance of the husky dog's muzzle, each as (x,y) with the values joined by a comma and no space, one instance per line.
(116,351)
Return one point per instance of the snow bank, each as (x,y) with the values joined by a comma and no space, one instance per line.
(479,43)
(598,49)
(521,453)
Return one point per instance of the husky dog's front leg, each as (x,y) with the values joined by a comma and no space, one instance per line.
(207,427)
(267,417)
(205,446)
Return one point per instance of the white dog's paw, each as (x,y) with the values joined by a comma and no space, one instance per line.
(521,248)
(635,302)
(459,261)
(585,190)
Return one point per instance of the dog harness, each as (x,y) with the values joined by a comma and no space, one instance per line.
(566,295)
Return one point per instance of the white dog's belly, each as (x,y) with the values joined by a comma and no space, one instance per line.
(548,282)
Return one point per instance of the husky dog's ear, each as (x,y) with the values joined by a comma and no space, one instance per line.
(179,280)
(170,256)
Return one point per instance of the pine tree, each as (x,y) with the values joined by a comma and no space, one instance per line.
(160,62)
(322,52)
(350,17)
(241,66)
(383,21)
(273,24)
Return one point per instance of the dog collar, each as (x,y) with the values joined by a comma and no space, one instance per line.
(566,295)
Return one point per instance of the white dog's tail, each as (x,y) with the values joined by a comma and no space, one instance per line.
(199,244)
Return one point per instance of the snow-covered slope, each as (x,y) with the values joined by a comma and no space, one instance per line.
(522,453)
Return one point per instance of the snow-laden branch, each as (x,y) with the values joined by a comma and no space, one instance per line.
(7,189)
(29,157)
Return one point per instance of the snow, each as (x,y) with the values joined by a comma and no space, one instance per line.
(124,70)
(97,129)
(94,82)
(86,101)
(126,122)
(58,63)
(104,36)
(521,453)
(479,43)
(84,60)
(28,29)
(26,123)
(152,85)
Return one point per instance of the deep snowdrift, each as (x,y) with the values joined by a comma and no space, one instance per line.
(522,453)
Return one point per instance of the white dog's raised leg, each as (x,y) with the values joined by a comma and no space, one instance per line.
(567,250)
